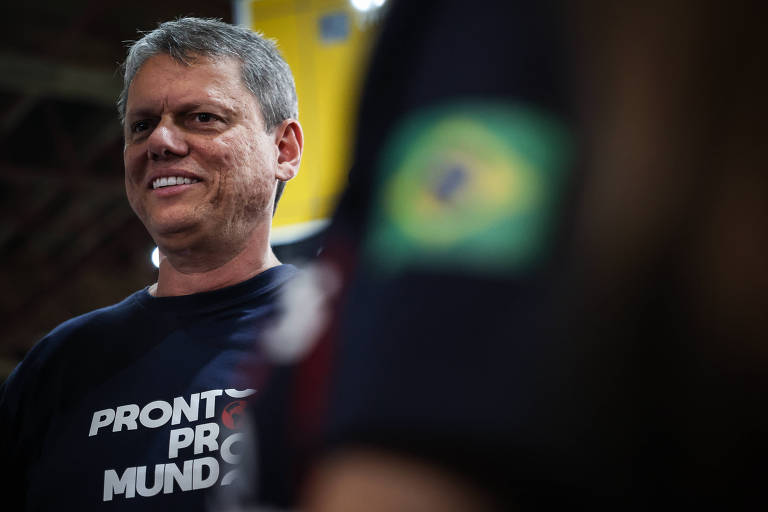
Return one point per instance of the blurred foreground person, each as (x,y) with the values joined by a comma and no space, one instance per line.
(137,406)
(551,264)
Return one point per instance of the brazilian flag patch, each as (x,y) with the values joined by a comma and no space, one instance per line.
(470,187)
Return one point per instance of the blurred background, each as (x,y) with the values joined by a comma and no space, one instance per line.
(69,242)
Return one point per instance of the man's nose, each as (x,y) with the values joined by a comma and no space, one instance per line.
(166,141)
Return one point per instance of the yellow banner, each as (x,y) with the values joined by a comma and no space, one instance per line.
(327,44)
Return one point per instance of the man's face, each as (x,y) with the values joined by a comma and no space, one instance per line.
(200,127)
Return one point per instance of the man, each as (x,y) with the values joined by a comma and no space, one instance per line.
(137,405)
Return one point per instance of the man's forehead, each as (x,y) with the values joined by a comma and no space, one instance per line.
(199,79)
(215,67)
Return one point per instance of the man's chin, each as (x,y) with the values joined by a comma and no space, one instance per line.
(175,236)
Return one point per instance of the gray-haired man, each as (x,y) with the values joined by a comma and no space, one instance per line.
(137,405)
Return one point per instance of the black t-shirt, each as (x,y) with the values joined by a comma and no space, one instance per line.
(138,405)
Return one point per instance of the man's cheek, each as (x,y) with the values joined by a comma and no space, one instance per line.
(134,200)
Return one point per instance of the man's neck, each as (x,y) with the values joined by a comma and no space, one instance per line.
(254,259)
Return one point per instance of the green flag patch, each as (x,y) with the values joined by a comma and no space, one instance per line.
(467,187)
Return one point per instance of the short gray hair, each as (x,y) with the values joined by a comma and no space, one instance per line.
(264,71)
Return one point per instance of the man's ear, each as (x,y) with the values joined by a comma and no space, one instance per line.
(289,139)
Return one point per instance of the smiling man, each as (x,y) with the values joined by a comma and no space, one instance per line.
(131,406)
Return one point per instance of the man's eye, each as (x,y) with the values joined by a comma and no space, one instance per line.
(140,126)
(204,117)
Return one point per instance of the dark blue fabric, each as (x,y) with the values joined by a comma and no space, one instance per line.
(530,384)
(142,350)
(458,368)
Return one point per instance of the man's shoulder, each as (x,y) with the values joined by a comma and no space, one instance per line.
(82,327)
(98,318)
(67,353)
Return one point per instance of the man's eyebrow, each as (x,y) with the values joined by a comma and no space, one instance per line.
(206,105)
(182,108)
(140,112)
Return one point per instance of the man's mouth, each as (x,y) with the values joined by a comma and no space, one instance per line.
(171,181)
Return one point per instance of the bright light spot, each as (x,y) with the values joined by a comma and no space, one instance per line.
(361,5)
(366,5)
(156,257)
(307,305)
